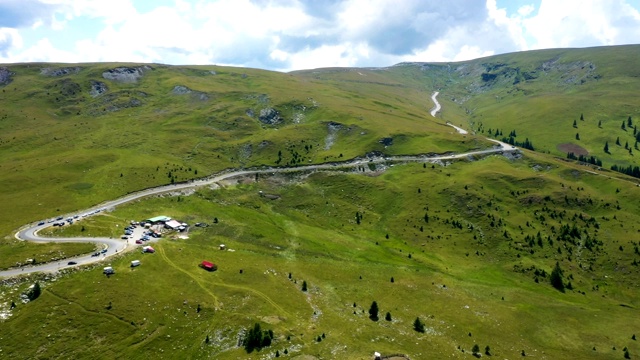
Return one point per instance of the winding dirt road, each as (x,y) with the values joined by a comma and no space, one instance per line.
(437,106)
(113,246)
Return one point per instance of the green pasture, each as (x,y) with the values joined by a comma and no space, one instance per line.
(467,290)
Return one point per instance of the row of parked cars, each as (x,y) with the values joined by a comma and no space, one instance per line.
(60,221)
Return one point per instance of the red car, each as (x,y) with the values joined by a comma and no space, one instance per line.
(138,241)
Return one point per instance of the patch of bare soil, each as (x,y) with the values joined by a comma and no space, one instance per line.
(573,148)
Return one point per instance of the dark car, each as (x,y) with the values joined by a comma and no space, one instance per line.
(72,263)
(96,254)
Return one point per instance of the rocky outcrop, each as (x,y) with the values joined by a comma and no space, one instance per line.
(270,116)
(183,90)
(6,76)
(117,101)
(386,141)
(55,72)
(98,88)
(126,74)
(65,87)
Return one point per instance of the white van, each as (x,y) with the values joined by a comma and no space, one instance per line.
(108,270)
(135,263)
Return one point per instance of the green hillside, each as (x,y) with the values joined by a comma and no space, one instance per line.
(468,246)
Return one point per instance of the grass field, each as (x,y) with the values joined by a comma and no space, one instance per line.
(469,284)
(469,247)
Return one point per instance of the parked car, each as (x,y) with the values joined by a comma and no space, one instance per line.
(41,223)
(138,241)
(72,263)
(96,254)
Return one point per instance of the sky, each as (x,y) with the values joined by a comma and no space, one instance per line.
(285,35)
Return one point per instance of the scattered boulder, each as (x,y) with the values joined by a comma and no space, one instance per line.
(270,116)
(125,74)
(55,72)
(386,141)
(98,88)
(5,76)
(250,113)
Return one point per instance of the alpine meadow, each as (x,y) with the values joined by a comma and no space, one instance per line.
(325,213)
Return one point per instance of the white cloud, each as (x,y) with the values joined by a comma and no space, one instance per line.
(526,10)
(579,23)
(295,34)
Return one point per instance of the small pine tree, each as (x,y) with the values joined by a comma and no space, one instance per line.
(418,325)
(487,350)
(392,279)
(577,136)
(304,285)
(575,124)
(556,278)
(618,141)
(626,354)
(388,317)
(629,122)
(207,340)
(277,353)
(606,147)
(475,349)
(373,311)
(581,117)
(623,126)
(600,123)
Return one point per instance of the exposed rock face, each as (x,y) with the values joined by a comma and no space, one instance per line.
(334,126)
(250,113)
(60,71)
(98,88)
(181,90)
(5,76)
(386,141)
(125,74)
(270,116)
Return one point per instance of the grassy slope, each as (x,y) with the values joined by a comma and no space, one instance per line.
(454,282)
(63,149)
